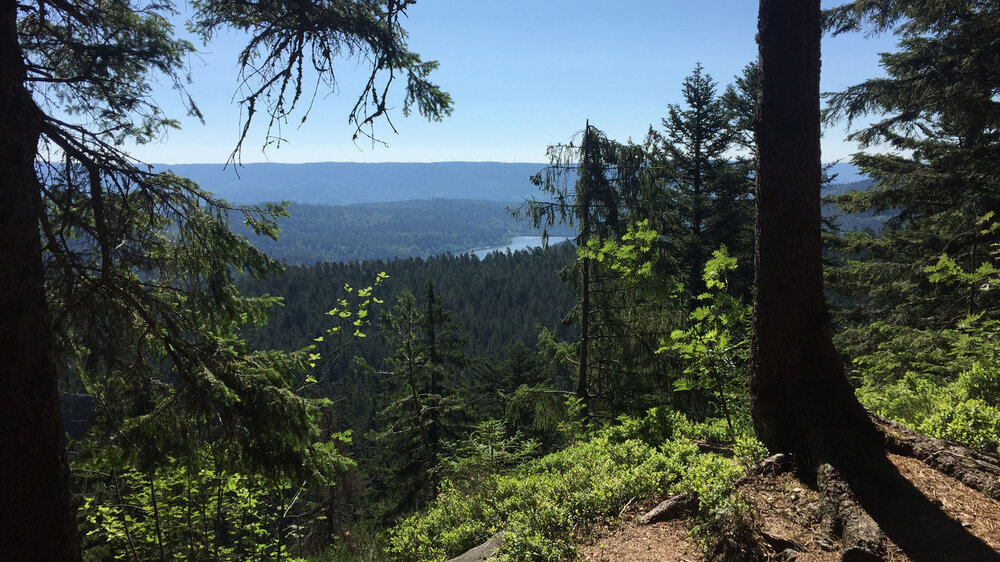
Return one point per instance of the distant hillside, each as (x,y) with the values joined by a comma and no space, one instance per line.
(401,229)
(347,211)
(856,221)
(345,183)
(844,173)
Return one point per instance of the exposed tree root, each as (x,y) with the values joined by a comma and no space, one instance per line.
(842,518)
(873,511)
(867,511)
(978,471)
(671,508)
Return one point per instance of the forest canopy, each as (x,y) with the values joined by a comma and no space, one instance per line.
(220,405)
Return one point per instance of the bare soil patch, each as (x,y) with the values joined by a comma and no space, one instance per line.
(665,541)
(787,521)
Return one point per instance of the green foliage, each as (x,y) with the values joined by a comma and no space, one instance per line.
(487,450)
(419,407)
(351,318)
(943,383)
(935,108)
(140,267)
(538,505)
(497,300)
(628,257)
(187,510)
(544,505)
(715,346)
(702,195)
(965,410)
(748,450)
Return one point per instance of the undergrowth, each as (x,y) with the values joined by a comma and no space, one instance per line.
(544,506)
(965,410)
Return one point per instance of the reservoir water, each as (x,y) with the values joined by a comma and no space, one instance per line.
(519,243)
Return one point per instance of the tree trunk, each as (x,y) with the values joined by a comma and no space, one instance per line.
(582,382)
(37,520)
(800,399)
(585,187)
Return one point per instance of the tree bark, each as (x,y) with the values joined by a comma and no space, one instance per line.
(585,195)
(800,399)
(37,520)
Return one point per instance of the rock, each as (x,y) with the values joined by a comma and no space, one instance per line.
(485,551)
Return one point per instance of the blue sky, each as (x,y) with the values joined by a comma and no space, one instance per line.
(523,74)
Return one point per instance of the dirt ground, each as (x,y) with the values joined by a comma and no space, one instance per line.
(787,514)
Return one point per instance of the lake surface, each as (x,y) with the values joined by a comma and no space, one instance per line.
(519,243)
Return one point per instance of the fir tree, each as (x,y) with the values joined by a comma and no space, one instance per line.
(937,110)
(705,195)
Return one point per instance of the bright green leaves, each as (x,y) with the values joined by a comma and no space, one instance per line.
(187,510)
(717,267)
(714,347)
(351,316)
(630,257)
(983,278)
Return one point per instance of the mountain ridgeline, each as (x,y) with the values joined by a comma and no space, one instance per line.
(343,211)
(346,183)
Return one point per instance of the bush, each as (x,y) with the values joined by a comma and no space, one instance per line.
(965,410)
(545,505)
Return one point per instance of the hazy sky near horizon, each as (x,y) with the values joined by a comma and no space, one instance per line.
(523,75)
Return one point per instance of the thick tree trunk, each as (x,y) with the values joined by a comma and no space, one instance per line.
(800,399)
(37,521)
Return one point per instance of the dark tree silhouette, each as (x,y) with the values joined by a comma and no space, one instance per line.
(801,401)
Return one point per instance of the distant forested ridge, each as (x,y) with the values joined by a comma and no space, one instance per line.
(345,183)
(402,229)
(858,221)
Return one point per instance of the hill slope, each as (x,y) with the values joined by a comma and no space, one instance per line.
(344,183)
(400,229)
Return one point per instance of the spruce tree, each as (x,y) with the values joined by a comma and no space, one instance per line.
(595,186)
(936,109)
(705,196)
(418,407)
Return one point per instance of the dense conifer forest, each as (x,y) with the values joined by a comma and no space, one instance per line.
(398,229)
(782,383)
